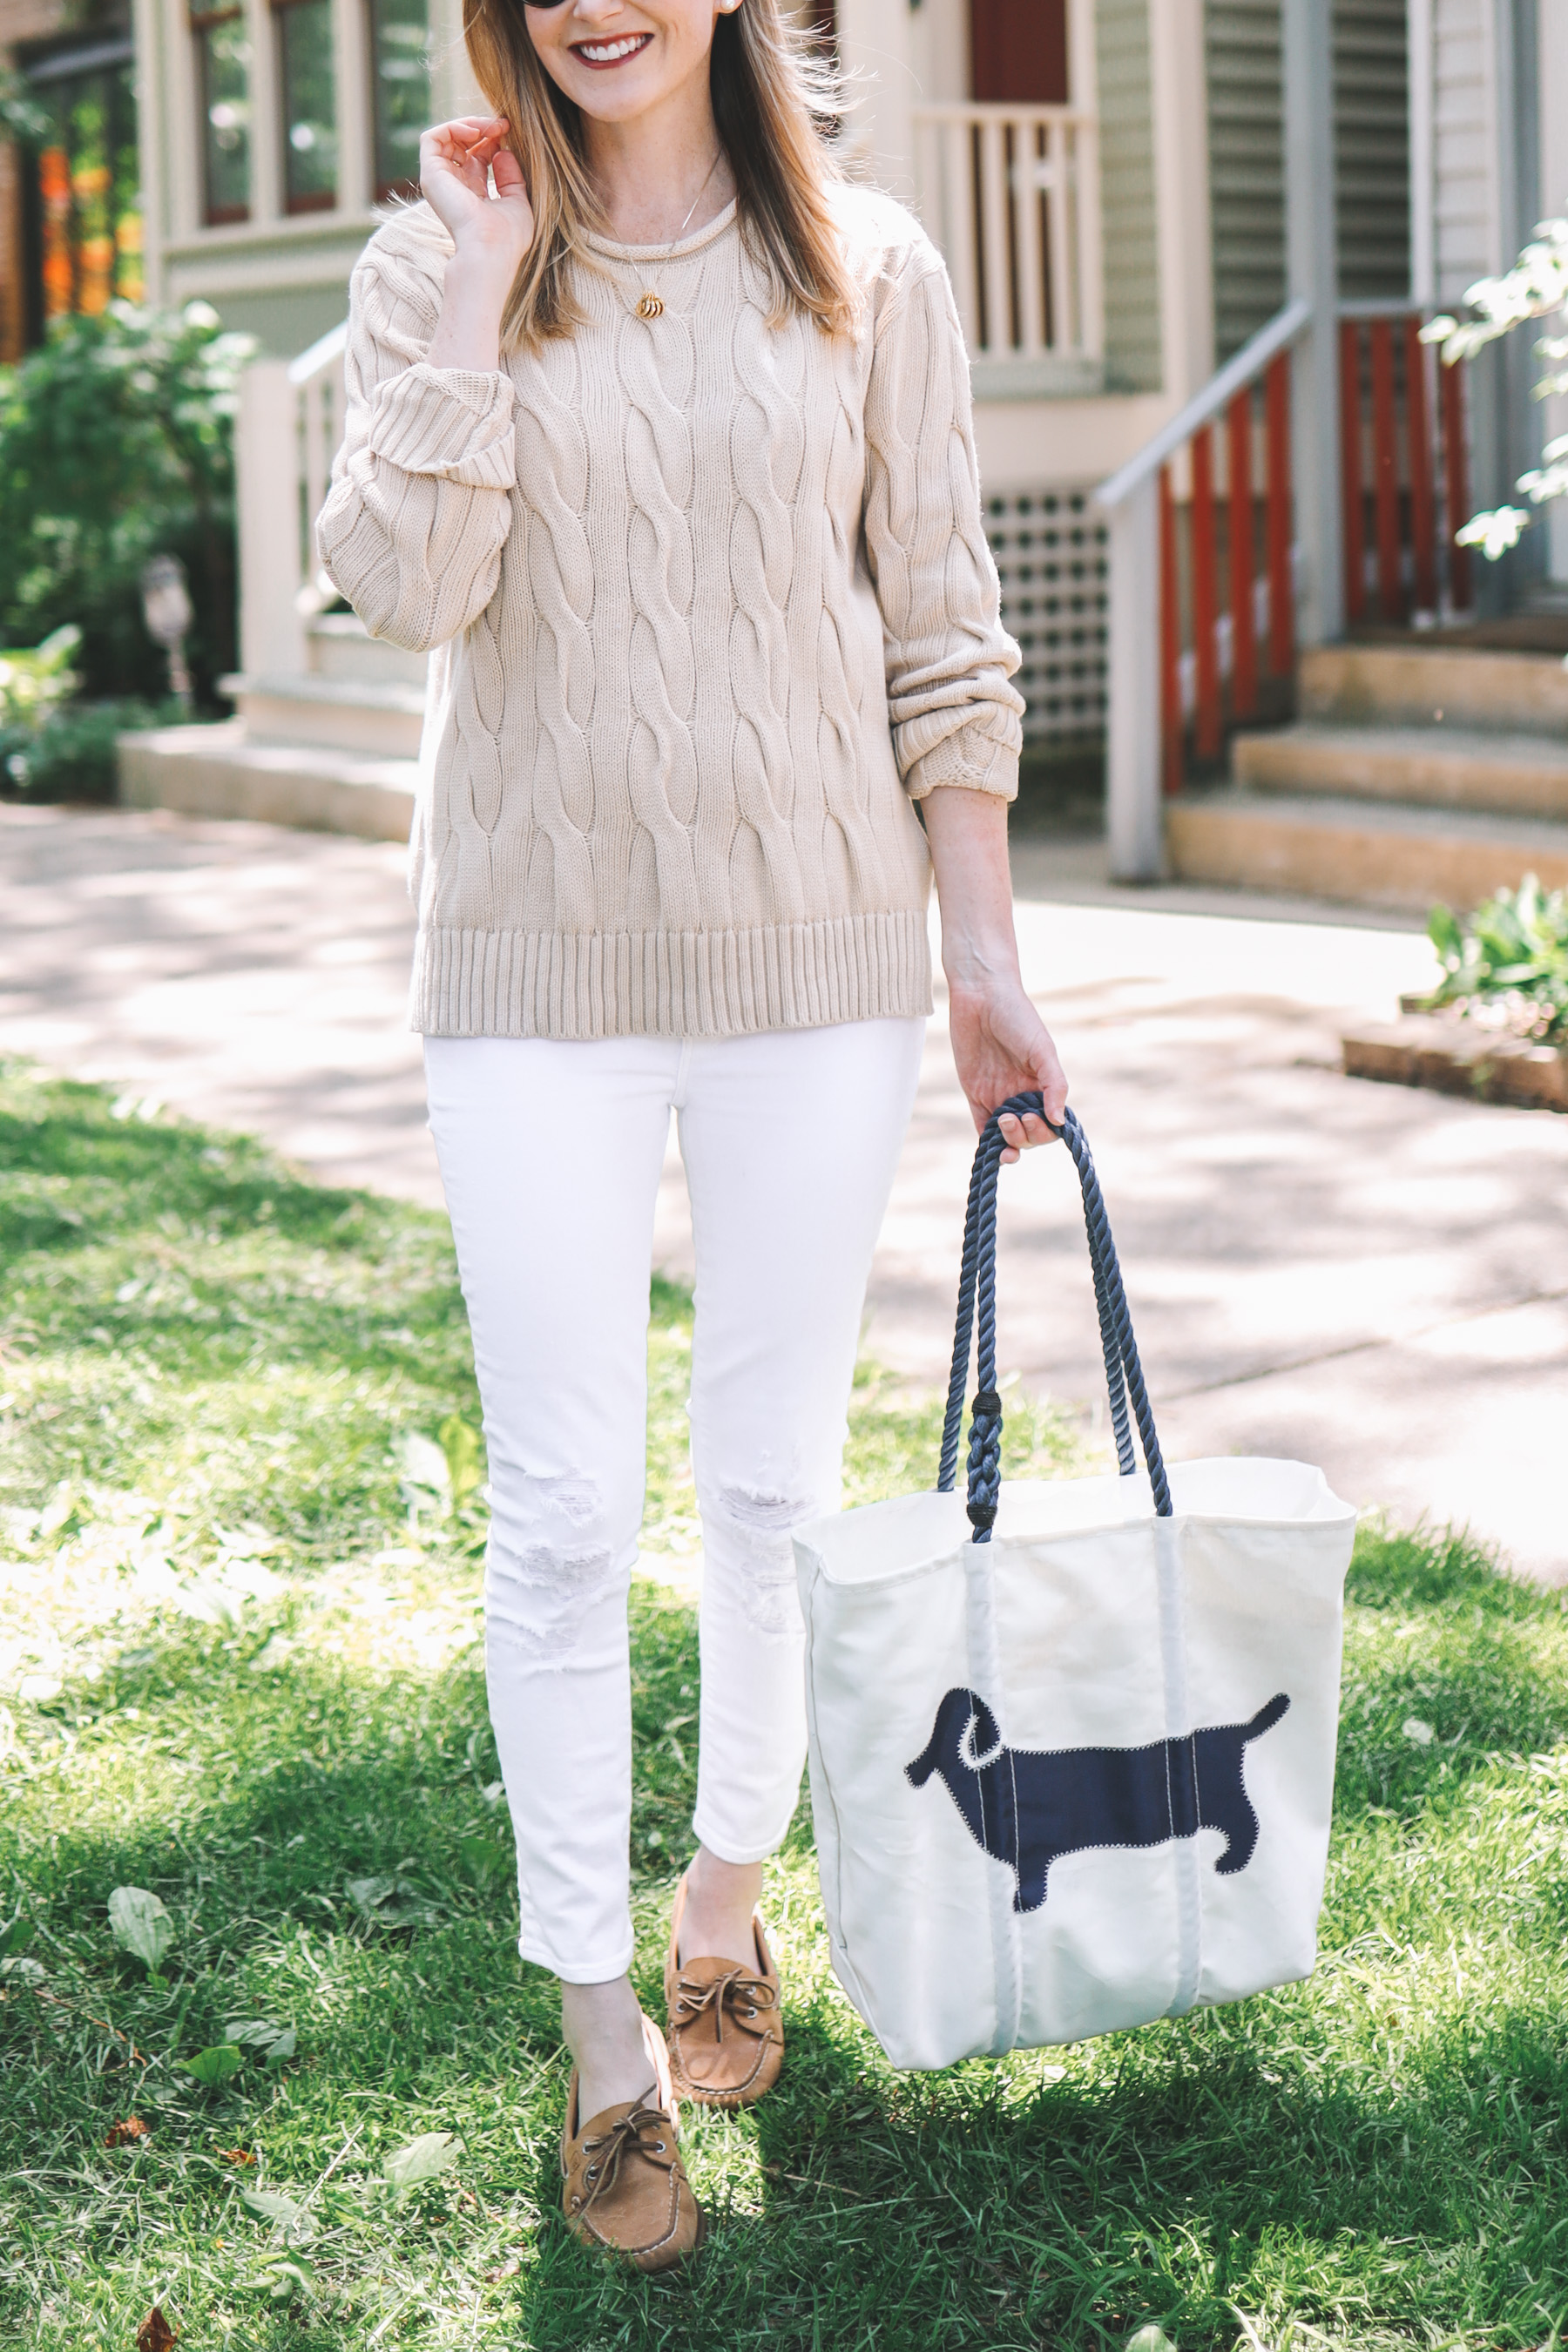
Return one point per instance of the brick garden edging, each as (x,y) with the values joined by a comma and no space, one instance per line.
(1460,1058)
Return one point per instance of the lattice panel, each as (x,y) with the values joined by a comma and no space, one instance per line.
(1050,551)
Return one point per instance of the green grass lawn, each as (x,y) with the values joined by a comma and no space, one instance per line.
(239,1667)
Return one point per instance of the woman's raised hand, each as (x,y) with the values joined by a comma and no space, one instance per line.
(456,159)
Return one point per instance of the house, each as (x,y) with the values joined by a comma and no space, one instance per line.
(1128,194)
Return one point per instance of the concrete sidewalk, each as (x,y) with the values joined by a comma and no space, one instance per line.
(1368,1277)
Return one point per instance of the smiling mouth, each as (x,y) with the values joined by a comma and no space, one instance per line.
(611,53)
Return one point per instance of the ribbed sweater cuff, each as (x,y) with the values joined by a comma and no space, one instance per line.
(447,422)
(469,983)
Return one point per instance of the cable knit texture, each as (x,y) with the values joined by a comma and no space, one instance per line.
(711,604)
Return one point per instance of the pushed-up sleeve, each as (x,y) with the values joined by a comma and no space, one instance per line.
(955,717)
(420,502)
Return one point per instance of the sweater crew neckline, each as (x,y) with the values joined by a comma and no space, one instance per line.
(641,255)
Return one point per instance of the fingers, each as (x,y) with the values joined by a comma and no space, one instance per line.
(469,141)
(507,173)
(466,130)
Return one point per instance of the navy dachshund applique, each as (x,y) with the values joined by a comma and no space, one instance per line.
(1029,1806)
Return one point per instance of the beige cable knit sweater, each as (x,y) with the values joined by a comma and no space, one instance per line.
(711,604)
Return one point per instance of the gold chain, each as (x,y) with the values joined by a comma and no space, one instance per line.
(649,305)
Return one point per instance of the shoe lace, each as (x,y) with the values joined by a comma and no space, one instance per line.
(646,2133)
(738,1995)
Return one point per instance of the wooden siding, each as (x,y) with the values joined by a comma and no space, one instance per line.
(1246,157)
(1132,344)
(1467,232)
(1371,150)
(1247,167)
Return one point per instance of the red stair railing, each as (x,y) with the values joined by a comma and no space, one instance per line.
(1405,489)
(1203,544)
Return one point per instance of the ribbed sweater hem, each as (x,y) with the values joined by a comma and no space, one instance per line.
(470,983)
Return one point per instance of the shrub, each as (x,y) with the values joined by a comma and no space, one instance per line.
(54,748)
(1535,287)
(1511,953)
(71,756)
(116,443)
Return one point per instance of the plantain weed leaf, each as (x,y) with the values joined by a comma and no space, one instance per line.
(483,1856)
(465,1458)
(1150,2339)
(271,2205)
(15,1936)
(424,2158)
(364,1894)
(211,2067)
(391,1901)
(272,2043)
(140,1926)
(285,2277)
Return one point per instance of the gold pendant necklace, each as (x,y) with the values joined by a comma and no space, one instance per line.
(649,304)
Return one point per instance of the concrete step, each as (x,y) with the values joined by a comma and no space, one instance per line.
(222,772)
(1433,766)
(381,721)
(1365,852)
(1411,685)
(342,647)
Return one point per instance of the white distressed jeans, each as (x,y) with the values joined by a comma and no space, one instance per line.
(550,1153)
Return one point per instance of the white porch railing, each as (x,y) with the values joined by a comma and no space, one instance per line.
(1010,194)
(289,424)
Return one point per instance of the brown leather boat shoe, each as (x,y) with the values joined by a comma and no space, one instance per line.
(626,2188)
(726,2036)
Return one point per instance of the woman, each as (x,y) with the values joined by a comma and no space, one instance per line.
(659,437)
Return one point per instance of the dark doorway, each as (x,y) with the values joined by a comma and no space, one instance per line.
(1019,51)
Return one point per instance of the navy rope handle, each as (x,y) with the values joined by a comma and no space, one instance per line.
(977,1320)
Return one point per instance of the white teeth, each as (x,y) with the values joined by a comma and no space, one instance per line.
(601,53)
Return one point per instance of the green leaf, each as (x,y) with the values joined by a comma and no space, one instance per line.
(214,2065)
(140,1926)
(391,1901)
(287,2276)
(367,1892)
(483,1857)
(17,1934)
(272,2043)
(424,2158)
(284,2212)
(1150,2339)
(464,1450)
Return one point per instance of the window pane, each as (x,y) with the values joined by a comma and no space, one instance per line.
(88,209)
(309,107)
(224,55)
(400,34)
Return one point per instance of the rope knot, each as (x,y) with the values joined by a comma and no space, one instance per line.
(984,1463)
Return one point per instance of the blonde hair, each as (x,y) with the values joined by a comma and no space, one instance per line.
(774,100)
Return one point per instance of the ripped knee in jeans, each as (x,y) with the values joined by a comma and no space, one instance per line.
(758,1523)
(547,1564)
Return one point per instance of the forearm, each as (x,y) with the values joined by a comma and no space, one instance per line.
(468,333)
(967,833)
(1000,1047)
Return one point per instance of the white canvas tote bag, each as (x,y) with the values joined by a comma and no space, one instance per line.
(1072,1743)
